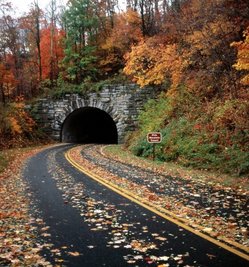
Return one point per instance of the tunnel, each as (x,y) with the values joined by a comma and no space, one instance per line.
(89,125)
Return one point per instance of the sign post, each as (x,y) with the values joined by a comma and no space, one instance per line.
(154,138)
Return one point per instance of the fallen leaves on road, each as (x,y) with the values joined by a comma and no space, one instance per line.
(18,246)
(210,208)
(218,211)
(74,254)
(113,221)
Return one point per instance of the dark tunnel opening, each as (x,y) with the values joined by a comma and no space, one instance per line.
(89,125)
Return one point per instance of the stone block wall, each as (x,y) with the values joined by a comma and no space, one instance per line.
(122,102)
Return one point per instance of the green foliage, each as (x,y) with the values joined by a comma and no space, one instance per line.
(189,141)
(153,117)
(80,66)
(81,24)
(63,87)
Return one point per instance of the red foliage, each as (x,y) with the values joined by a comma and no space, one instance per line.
(51,52)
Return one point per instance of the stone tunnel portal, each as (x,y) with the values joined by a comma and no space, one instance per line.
(89,125)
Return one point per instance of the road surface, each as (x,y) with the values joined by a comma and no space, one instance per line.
(84,223)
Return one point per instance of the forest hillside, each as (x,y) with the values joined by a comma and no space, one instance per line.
(195,51)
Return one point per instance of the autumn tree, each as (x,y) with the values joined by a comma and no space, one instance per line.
(52,44)
(30,26)
(125,33)
(10,50)
(148,10)
(53,72)
(243,57)
(202,32)
(156,59)
(36,15)
(206,30)
(105,9)
(7,83)
(152,13)
(51,54)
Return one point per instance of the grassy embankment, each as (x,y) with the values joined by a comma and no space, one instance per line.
(211,137)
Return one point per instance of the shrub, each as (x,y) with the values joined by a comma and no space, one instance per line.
(17,127)
(190,143)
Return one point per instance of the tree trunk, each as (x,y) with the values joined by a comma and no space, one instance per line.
(38,39)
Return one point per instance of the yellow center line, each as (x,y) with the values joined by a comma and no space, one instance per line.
(159,211)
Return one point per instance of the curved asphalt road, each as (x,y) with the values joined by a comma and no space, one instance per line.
(90,225)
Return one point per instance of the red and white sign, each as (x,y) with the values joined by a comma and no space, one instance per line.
(154,137)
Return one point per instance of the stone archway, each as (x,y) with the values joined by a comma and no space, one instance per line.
(120,103)
(89,125)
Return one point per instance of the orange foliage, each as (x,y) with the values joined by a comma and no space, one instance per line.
(243,56)
(151,63)
(14,126)
(19,120)
(51,55)
(126,31)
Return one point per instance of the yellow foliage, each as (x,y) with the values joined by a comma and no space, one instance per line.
(14,126)
(243,56)
(151,63)
(210,36)
(19,121)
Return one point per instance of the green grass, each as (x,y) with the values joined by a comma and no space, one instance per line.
(190,148)
(211,137)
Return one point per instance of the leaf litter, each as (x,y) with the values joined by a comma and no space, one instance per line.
(18,230)
(108,218)
(210,208)
(218,210)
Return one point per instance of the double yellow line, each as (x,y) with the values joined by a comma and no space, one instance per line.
(159,211)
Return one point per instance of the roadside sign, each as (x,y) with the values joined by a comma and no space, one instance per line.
(154,137)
